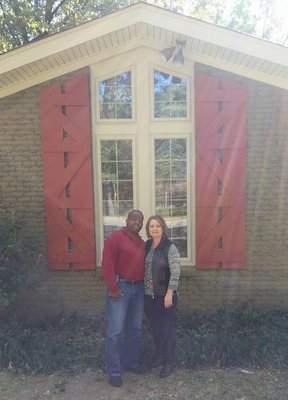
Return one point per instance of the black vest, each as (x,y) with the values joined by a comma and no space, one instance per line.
(160,265)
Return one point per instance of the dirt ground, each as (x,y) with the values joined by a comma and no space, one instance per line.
(216,384)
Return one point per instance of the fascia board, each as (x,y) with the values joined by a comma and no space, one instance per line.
(71,37)
(217,35)
(70,67)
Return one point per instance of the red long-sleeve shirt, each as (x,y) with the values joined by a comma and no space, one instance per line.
(123,255)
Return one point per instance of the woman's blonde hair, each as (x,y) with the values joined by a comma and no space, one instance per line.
(162,223)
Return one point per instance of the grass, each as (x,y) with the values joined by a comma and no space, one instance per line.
(184,384)
(214,384)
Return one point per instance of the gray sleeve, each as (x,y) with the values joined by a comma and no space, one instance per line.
(174,264)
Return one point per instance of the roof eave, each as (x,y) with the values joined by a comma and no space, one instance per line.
(142,12)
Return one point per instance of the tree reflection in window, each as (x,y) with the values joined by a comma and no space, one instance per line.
(117,182)
(171,188)
(170,96)
(115,96)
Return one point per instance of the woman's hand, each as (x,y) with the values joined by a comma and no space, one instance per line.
(168,302)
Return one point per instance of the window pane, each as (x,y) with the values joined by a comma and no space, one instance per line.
(170,96)
(178,169)
(171,188)
(162,149)
(115,97)
(162,169)
(178,150)
(123,111)
(125,190)
(125,207)
(124,150)
(108,171)
(117,182)
(108,150)
(125,170)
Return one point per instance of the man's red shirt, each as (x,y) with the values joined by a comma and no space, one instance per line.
(123,255)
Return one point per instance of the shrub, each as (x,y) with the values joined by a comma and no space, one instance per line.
(227,338)
(64,342)
(234,337)
(15,253)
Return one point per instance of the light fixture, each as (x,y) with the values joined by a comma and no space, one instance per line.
(167,53)
(178,58)
(174,54)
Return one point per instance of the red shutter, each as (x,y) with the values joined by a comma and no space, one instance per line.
(67,165)
(220,173)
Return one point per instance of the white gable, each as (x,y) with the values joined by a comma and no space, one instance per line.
(142,25)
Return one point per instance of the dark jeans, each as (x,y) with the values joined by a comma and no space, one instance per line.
(162,323)
(124,318)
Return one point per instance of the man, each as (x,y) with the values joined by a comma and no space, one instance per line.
(123,272)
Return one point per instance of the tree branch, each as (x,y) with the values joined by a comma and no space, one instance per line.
(52,12)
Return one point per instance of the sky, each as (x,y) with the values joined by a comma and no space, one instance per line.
(281,7)
(280,13)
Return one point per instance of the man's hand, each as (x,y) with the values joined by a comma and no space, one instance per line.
(115,296)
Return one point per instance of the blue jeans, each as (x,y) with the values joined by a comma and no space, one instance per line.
(124,318)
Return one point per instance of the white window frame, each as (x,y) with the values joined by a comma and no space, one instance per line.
(133,94)
(143,129)
(98,176)
(152,102)
(189,193)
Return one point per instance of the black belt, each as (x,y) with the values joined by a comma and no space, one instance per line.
(127,281)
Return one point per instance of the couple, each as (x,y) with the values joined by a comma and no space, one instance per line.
(131,268)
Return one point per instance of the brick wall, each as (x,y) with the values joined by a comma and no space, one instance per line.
(265,280)
(21,186)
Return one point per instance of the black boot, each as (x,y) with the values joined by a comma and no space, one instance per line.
(169,359)
(157,360)
(166,371)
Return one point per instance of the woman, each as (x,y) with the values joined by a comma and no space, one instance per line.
(162,271)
